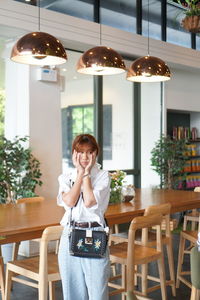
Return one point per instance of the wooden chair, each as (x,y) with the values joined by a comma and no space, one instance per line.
(164,210)
(17,244)
(190,236)
(195,278)
(192,216)
(43,268)
(129,255)
(131,296)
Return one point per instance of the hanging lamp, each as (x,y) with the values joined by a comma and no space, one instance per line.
(101,60)
(38,48)
(148,68)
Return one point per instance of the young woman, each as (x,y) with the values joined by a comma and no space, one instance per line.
(86,188)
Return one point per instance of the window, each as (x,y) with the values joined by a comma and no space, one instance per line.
(154,19)
(80,119)
(175,33)
(119,14)
(118,92)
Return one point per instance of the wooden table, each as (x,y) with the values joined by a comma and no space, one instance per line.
(26,221)
(19,222)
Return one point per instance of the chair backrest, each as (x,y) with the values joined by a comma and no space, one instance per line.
(137,224)
(30,200)
(164,210)
(145,222)
(51,233)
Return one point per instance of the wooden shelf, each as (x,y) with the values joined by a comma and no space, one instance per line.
(194,141)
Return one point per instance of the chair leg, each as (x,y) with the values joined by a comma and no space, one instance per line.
(144,271)
(8,284)
(15,250)
(52,294)
(193,294)
(161,268)
(180,259)
(43,289)
(2,279)
(171,266)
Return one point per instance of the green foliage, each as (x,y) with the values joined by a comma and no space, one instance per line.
(2,111)
(19,170)
(117,179)
(192,7)
(168,161)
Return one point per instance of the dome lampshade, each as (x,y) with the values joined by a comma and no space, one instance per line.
(38,48)
(101,61)
(148,69)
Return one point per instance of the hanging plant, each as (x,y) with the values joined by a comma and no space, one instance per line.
(191,22)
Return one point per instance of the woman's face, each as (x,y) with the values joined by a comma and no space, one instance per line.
(86,152)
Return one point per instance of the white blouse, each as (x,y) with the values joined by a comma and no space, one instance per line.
(100,180)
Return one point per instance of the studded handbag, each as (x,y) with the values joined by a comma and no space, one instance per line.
(87,242)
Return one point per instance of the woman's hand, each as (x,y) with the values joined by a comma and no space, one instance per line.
(76,162)
(92,160)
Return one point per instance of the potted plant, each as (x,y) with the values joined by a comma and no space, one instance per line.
(19,170)
(191,22)
(117,179)
(168,160)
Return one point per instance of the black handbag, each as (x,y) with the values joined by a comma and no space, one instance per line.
(87,243)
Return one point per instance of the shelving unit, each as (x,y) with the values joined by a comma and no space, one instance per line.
(185,121)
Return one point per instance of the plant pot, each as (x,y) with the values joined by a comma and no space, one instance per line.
(191,23)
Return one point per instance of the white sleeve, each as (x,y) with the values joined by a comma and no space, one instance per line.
(101,191)
(64,186)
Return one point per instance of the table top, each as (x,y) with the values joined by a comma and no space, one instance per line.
(28,220)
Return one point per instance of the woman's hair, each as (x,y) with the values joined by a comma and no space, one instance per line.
(85,139)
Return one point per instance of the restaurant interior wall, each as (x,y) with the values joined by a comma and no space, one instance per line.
(182,92)
(150,131)
(79,34)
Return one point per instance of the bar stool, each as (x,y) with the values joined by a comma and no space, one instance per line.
(19,201)
(42,269)
(129,255)
(193,216)
(190,236)
(164,210)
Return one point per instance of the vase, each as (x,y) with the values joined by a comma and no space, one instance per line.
(191,23)
(115,196)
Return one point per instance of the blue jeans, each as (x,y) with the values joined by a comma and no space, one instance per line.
(82,278)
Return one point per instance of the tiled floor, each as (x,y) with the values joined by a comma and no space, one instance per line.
(183,293)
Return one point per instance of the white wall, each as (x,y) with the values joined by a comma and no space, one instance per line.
(182,92)
(150,131)
(45,131)
(17,99)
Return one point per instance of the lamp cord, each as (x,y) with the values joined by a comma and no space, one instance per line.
(39,15)
(148,27)
(100,34)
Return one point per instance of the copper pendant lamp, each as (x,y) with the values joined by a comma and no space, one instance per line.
(101,60)
(148,68)
(39,48)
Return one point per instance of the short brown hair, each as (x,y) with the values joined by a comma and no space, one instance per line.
(82,139)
